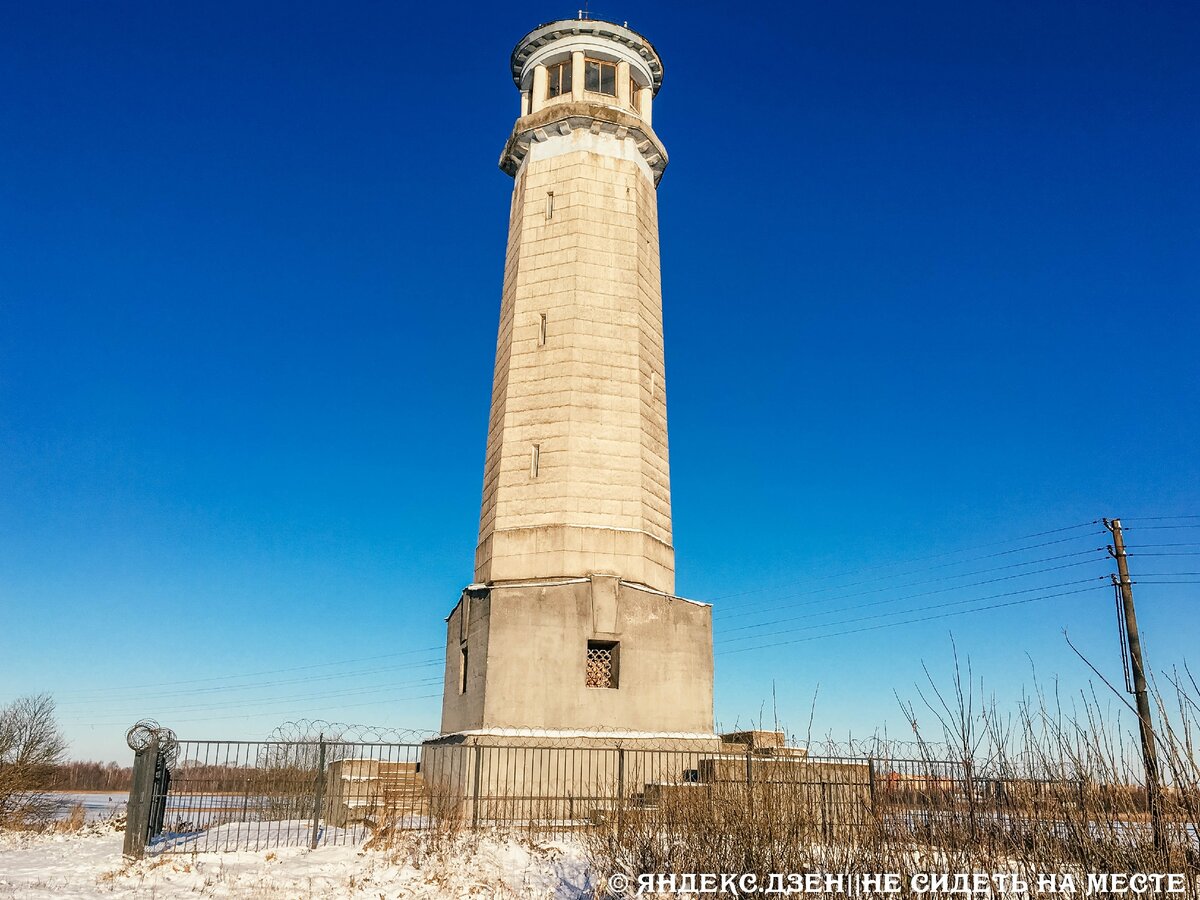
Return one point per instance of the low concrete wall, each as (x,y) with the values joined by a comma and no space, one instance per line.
(553,778)
(374,792)
(482,779)
(783,770)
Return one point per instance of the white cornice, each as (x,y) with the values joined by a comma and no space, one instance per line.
(567,31)
(562,119)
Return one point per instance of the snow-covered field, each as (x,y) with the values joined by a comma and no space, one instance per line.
(89,864)
(97,805)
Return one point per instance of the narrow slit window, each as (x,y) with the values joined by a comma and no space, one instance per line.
(603,664)
(653,385)
(534,460)
(462,669)
(542,331)
(549,205)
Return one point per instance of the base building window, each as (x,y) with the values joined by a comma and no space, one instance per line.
(603,664)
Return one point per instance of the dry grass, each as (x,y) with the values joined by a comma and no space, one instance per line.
(1051,788)
(73,821)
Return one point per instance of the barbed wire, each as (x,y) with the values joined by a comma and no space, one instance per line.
(878,746)
(589,737)
(144,732)
(300,731)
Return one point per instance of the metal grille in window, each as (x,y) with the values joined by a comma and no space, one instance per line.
(600,671)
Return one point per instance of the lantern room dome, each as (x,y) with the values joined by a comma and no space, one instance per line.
(555,41)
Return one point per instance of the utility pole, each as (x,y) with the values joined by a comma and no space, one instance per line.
(1141,694)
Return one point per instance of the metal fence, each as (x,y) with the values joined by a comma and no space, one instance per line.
(224,795)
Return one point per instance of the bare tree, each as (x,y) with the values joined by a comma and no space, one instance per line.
(30,747)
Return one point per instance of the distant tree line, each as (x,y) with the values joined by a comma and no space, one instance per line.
(272,776)
(90,776)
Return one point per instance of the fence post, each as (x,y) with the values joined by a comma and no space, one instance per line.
(318,793)
(475,788)
(826,822)
(621,789)
(141,790)
(871,781)
(749,777)
(972,799)
(158,797)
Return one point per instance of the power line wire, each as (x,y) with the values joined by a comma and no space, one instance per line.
(917,559)
(1159,527)
(777,604)
(251,685)
(185,681)
(298,698)
(136,709)
(123,722)
(901,612)
(956,587)
(1183,544)
(1158,518)
(961,612)
(742,610)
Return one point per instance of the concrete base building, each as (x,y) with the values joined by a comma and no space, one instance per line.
(571,627)
(578,655)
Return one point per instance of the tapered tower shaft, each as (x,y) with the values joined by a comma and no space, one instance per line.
(576,479)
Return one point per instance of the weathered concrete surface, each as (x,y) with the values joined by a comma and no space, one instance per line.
(380,792)
(527,654)
(580,375)
(505,777)
(763,743)
(486,777)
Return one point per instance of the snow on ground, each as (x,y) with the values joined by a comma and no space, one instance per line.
(89,864)
(96,805)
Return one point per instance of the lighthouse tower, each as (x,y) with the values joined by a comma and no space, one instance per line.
(571,623)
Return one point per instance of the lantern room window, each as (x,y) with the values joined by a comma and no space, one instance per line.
(560,79)
(600,77)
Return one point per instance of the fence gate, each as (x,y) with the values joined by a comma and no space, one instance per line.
(254,795)
(155,751)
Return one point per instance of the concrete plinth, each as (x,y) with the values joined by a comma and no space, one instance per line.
(506,775)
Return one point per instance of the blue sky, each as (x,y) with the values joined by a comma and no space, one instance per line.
(930,286)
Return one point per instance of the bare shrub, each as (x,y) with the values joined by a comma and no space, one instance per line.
(30,747)
(1055,786)
(74,820)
